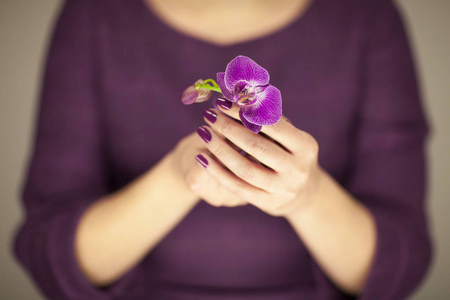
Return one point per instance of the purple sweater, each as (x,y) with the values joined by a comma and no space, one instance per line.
(110,109)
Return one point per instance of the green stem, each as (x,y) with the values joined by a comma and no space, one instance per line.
(212,82)
(205,85)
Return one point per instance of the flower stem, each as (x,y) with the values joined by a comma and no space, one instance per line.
(212,82)
(205,85)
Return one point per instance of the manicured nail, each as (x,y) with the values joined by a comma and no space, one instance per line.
(224,103)
(204,134)
(210,115)
(202,160)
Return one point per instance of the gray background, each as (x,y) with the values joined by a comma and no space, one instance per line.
(24,33)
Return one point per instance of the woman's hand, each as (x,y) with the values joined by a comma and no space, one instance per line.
(280,176)
(118,230)
(197,179)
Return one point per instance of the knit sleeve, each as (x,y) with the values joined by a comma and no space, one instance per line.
(388,173)
(67,171)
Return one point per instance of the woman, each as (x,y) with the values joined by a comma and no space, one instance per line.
(117,206)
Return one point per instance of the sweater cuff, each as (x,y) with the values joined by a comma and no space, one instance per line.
(62,261)
(389,260)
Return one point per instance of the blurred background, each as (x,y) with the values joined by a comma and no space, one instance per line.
(25,26)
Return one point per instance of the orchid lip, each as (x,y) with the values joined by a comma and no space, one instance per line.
(244,93)
(246,101)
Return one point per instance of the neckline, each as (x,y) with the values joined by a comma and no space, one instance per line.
(151,14)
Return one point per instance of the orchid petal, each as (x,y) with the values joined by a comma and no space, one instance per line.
(267,109)
(244,68)
(225,91)
(253,127)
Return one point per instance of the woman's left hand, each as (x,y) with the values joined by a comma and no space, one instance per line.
(281,176)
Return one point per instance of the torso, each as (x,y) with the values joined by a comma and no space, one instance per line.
(145,65)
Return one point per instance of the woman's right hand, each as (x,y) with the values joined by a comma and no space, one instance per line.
(195,176)
(117,231)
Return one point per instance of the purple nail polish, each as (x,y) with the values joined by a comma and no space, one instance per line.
(224,103)
(204,134)
(202,160)
(210,115)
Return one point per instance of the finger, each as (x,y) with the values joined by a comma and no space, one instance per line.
(284,132)
(207,188)
(229,108)
(253,173)
(264,150)
(231,182)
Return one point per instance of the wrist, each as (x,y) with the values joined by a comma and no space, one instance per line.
(174,173)
(312,199)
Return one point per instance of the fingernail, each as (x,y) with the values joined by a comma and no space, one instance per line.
(202,160)
(204,134)
(210,115)
(224,103)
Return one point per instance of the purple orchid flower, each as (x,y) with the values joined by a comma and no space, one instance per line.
(246,83)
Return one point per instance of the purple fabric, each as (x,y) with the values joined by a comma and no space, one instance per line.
(110,109)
